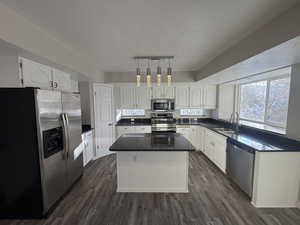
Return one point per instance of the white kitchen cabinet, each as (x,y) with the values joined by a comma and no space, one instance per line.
(196,137)
(226,101)
(201,137)
(124,130)
(61,80)
(158,92)
(193,134)
(182,97)
(35,74)
(131,97)
(88,151)
(143,129)
(117,98)
(163,92)
(132,129)
(127,97)
(74,86)
(169,92)
(143,97)
(215,148)
(21,72)
(196,97)
(185,130)
(209,96)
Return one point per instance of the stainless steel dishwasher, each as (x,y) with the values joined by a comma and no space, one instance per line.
(240,167)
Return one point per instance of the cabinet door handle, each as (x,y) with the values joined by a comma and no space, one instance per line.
(51,83)
(55,85)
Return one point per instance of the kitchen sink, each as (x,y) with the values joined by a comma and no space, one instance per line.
(225,130)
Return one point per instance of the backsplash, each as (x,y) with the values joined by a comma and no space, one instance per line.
(178,113)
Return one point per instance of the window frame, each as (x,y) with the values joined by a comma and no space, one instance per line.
(265,121)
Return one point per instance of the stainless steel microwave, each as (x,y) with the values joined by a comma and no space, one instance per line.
(162,105)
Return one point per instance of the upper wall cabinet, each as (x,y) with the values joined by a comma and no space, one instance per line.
(163,92)
(35,74)
(182,95)
(143,97)
(127,97)
(20,72)
(130,97)
(209,96)
(61,80)
(226,101)
(74,86)
(196,97)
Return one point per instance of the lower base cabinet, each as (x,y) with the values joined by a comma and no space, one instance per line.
(215,148)
(88,151)
(194,134)
(132,129)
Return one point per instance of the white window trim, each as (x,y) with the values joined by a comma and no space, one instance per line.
(265,122)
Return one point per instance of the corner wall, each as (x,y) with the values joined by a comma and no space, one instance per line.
(18,31)
(279,30)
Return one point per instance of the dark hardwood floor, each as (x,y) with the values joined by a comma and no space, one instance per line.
(212,200)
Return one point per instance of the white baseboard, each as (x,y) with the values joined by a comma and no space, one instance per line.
(277,205)
(152,190)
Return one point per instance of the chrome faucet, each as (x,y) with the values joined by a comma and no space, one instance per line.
(234,121)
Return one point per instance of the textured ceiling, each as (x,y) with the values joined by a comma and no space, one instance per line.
(113,31)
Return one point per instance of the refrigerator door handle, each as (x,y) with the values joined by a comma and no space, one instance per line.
(66,136)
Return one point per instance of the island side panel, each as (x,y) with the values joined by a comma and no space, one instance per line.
(152,171)
(276,179)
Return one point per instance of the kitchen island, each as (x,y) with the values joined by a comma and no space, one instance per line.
(152,162)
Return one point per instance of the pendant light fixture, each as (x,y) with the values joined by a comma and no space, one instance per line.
(158,74)
(169,74)
(138,74)
(148,70)
(148,75)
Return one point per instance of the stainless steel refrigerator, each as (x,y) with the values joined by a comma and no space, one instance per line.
(39,159)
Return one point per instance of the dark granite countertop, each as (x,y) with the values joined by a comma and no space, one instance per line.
(86,128)
(135,122)
(249,138)
(252,139)
(152,142)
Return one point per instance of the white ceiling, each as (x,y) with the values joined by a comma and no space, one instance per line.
(113,31)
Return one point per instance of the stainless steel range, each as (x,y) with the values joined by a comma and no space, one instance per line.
(163,122)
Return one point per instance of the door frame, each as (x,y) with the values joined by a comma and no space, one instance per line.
(94,86)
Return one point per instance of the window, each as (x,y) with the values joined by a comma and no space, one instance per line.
(265,102)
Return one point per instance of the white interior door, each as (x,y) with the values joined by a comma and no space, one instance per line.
(104,118)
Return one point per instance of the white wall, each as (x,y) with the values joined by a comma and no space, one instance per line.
(293,122)
(279,30)
(18,31)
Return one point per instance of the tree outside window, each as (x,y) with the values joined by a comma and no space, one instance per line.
(266,101)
